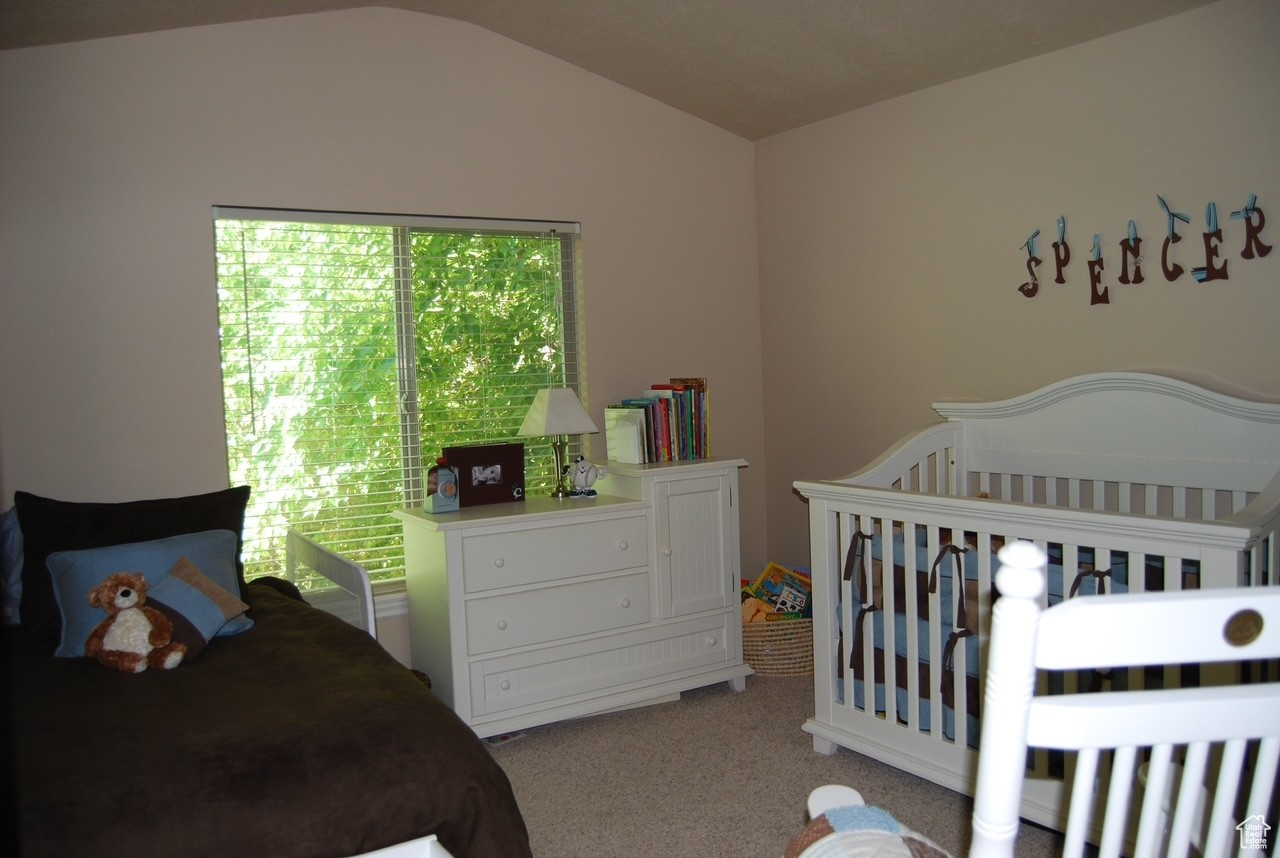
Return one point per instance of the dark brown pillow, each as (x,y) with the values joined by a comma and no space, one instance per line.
(52,525)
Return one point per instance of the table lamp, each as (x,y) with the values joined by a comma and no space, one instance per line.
(557,413)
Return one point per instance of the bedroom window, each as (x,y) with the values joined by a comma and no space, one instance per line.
(356,347)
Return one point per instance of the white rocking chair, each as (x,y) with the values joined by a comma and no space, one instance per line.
(1226,738)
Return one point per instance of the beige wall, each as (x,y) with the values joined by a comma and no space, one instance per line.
(890,238)
(115,150)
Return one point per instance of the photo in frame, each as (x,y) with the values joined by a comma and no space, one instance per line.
(488,473)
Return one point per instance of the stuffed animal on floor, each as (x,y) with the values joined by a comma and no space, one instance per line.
(133,637)
(843,826)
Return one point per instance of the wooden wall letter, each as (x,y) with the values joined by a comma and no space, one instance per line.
(1061,251)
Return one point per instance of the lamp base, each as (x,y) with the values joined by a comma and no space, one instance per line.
(561,489)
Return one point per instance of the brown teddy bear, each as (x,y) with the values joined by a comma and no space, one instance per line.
(133,636)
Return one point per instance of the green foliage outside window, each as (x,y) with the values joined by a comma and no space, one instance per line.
(329,418)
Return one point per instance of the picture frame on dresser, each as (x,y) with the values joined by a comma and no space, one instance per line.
(488,473)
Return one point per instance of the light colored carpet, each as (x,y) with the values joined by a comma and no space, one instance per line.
(716,773)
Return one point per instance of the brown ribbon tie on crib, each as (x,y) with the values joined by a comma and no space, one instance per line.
(1101,575)
(1096,676)
(867,603)
(959,628)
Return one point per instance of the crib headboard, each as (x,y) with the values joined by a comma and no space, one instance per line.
(1125,426)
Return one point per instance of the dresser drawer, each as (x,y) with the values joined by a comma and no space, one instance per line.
(563,675)
(535,555)
(555,613)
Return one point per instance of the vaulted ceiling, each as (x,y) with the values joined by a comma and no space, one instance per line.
(753,67)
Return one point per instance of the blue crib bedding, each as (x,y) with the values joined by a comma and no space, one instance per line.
(958,621)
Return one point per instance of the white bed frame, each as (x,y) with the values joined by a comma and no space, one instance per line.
(423,847)
(1152,467)
(349,594)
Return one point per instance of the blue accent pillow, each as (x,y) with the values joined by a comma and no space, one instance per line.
(197,607)
(75,573)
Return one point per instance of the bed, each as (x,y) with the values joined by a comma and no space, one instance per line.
(1128,481)
(292,734)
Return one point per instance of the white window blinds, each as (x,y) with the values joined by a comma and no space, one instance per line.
(356,347)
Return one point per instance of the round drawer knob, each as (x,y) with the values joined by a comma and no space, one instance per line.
(711,640)
(626,603)
(499,562)
(505,685)
(502,624)
(622,545)
(666,552)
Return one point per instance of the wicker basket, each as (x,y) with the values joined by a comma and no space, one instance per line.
(780,648)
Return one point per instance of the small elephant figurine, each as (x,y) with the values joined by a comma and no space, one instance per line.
(583,474)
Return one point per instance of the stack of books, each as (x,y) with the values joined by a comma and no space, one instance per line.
(666,423)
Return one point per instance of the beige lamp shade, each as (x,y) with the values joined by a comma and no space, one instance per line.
(556,411)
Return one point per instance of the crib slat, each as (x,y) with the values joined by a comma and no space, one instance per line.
(851,607)
(910,594)
(947,613)
(1135,562)
(933,693)
(1070,563)
(841,695)
(1172,573)
(962,666)
(829,599)
(1179,502)
(1272,556)
(879,588)
(888,654)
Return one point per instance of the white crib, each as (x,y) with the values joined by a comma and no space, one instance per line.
(1128,481)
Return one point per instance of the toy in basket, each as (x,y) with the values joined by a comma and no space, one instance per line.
(777,622)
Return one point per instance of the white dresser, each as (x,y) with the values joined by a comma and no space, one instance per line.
(532,612)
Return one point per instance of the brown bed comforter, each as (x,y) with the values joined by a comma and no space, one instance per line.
(299,737)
